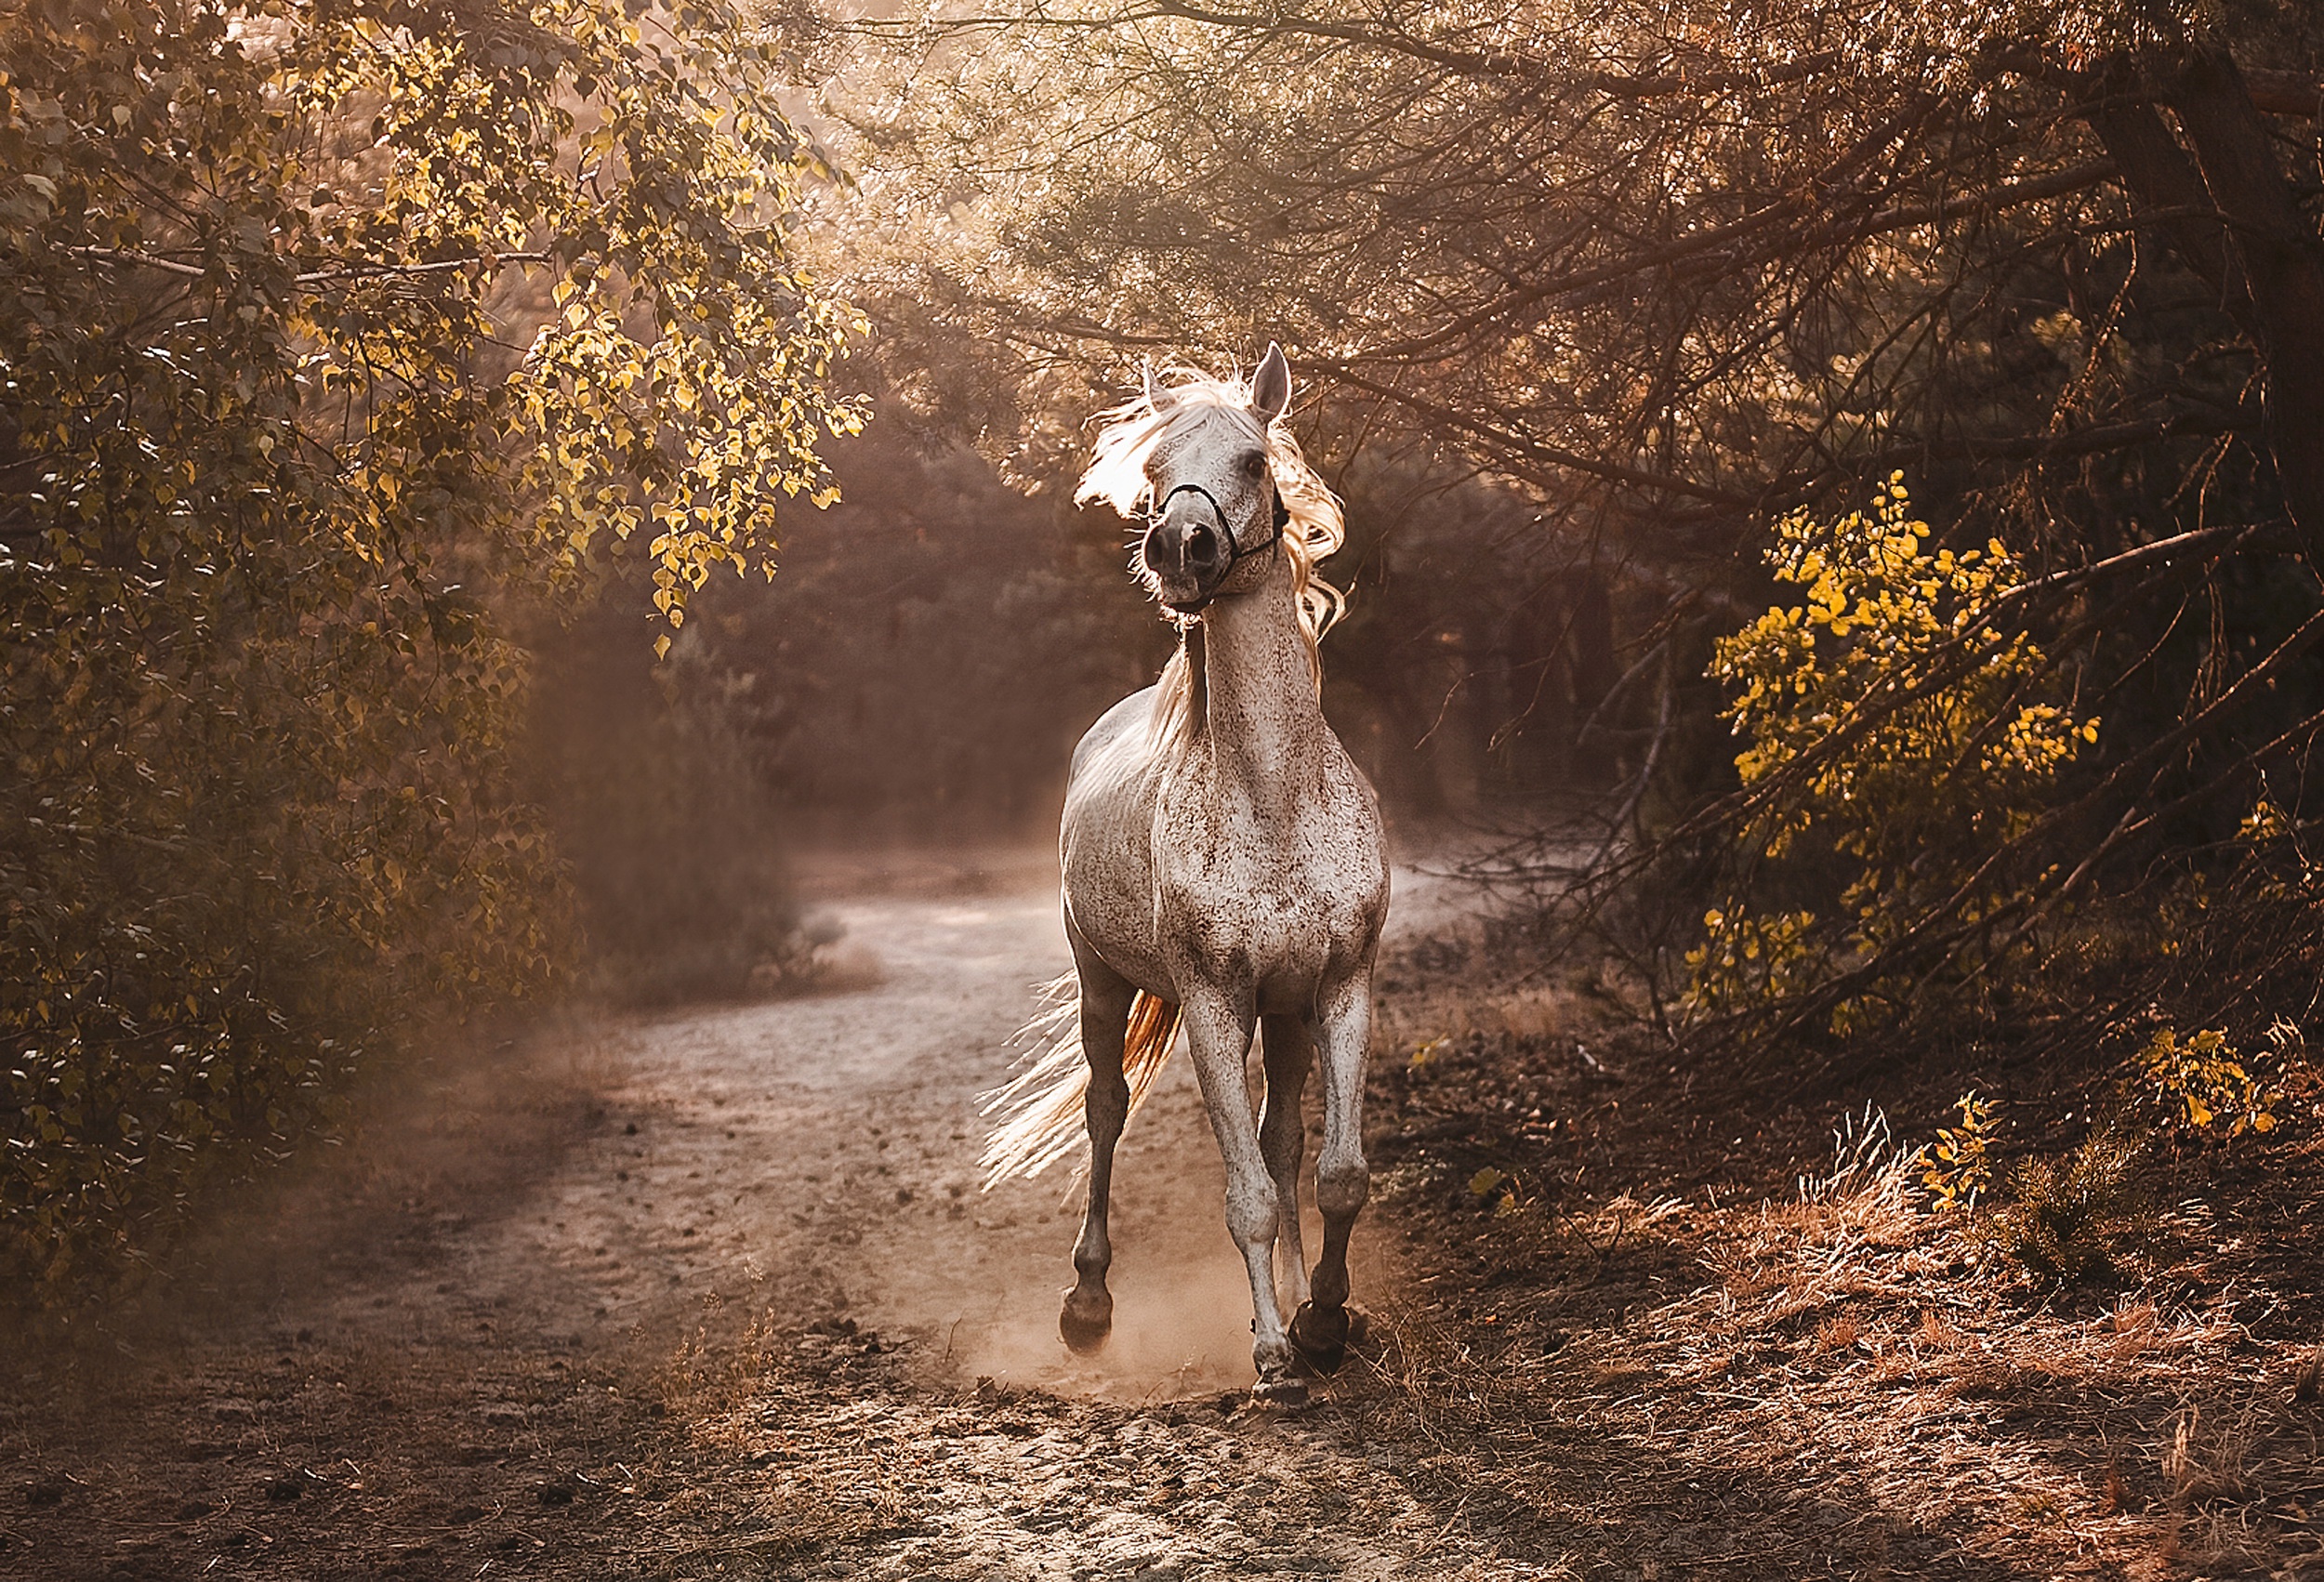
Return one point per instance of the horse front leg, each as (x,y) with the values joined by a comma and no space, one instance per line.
(1218,1032)
(1087,1315)
(1288,1052)
(1343,1027)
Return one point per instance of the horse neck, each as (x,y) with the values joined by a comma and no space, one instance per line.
(1256,688)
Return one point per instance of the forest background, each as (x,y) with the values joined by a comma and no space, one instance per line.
(1834,504)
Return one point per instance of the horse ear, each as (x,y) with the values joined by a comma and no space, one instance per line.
(1271,387)
(1159,397)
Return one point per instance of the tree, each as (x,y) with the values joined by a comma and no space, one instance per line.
(328,331)
(1677,271)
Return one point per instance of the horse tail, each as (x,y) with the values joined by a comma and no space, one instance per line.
(1040,1107)
(1153,1034)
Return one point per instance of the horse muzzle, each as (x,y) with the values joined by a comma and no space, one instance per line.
(1187,554)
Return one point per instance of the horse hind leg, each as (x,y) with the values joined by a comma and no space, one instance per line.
(1288,1053)
(1087,1315)
(1320,1327)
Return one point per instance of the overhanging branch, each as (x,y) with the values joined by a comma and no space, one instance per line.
(342,270)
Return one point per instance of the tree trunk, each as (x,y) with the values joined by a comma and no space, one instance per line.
(2229,214)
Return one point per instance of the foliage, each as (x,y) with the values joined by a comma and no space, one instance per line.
(1669,270)
(1664,264)
(2201,1086)
(1588,259)
(273,458)
(1892,718)
(1957,1168)
(2067,1218)
(1495,1191)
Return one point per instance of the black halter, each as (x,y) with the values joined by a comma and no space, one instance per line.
(1235,551)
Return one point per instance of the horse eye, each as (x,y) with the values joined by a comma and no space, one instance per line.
(1254,465)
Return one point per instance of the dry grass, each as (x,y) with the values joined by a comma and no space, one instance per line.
(1689,1369)
(1853,1383)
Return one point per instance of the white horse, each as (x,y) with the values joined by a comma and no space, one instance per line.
(1224,864)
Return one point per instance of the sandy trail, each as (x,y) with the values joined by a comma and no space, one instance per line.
(830,1143)
(817,1156)
(477,1342)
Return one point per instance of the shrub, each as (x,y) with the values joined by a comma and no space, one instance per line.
(271,472)
(2067,1217)
(1956,1169)
(661,815)
(2202,1086)
(264,856)
(1896,734)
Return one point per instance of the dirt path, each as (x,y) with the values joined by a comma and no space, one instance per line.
(718,1292)
(826,1148)
(713,1294)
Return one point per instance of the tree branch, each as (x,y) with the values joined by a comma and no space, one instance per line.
(1820,192)
(349,269)
(2286,92)
(1488,63)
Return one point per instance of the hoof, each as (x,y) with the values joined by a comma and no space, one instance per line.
(1085,1323)
(1322,1336)
(1283,1390)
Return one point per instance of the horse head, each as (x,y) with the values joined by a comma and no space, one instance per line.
(1215,515)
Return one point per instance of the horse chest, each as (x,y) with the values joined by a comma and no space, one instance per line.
(1240,895)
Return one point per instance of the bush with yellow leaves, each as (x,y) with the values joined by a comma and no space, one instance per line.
(2202,1086)
(1956,1169)
(1897,734)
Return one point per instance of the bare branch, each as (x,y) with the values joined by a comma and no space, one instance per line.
(351,268)
(2286,92)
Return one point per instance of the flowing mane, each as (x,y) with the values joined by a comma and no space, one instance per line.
(1117,475)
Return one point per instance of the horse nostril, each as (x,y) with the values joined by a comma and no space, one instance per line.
(1202,546)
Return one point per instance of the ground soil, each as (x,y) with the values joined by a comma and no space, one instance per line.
(716,1293)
